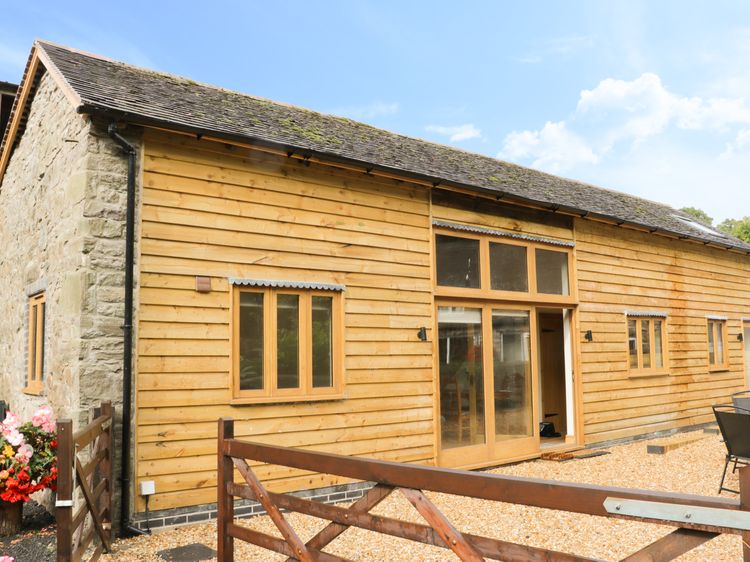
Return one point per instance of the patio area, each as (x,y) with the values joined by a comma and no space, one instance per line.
(694,468)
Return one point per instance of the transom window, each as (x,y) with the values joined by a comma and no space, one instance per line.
(646,345)
(488,264)
(35,372)
(717,337)
(287,344)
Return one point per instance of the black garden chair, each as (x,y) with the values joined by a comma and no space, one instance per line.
(734,424)
(741,399)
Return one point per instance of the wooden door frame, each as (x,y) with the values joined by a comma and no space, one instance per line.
(474,456)
(745,325)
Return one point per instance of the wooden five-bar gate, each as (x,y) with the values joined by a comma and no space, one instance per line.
(87,528)
(698,518)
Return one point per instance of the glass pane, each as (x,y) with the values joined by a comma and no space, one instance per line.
(511,354)
(322,341)
(552,272)
(711,353)
(508,271)
(41,342)
(720,343)
(461,376)
(633,344)
(33,315)
(658,350)
(251,341)
(645,344)
(287,341)
(457,261)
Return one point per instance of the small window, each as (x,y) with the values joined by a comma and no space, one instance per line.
(35,373)
(646,350)
(717,337)
(457,261)
(286,345)
(508,268)
(552,272)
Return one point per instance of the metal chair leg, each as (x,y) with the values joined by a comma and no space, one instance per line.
(724,475)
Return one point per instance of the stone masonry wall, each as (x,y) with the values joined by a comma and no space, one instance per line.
(42,236)
(62,230)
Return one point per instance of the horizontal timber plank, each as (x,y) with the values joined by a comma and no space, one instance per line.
(161,416)
(355,448)
(286,424)
(195,266)
(282,227)
(262,241)
(307,439)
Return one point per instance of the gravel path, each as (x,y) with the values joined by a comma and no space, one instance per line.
(694,469)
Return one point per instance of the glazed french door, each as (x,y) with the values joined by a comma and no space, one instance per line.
(487,383)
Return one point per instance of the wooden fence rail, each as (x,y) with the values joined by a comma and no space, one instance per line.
(697,519)
(78,528)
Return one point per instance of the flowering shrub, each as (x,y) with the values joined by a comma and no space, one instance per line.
(28,455)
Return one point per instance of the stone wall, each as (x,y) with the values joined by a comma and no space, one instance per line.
(62,230)
(42,234)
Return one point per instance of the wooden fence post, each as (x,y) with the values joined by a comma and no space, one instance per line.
(106,469)
(224,500)
(744,477)
(64,501)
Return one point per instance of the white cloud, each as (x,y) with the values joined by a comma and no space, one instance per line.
(741,140)
(456,133)
(643,107)
(369,111)
(553,148)
(623,112)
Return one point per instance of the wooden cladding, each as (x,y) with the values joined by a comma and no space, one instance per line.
(287,345)
(35,373)
(231,215)
(620,270)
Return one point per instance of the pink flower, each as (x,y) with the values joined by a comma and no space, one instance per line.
(14,437)
(44,418)
(12,421)
(6,559)
(24,453)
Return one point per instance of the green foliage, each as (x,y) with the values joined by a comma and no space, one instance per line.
(739,228)
(699,214)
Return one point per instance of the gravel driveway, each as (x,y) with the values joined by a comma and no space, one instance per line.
(694,468)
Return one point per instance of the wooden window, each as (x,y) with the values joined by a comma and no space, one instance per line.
(491,267)
(287,344)
(35,373)
(718,358)
(647,353)
(552,272)
(457,261)
(508,267)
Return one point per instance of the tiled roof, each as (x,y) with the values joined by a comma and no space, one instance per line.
(132,94)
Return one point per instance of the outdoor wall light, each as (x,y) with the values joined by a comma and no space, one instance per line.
(740,337)
(588,336)
(422,334)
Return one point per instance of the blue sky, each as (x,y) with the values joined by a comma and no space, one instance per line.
(652,98)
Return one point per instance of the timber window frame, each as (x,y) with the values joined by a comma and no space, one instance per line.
(717,337)
(480,278)
(37,306)
(647,344)
(270,385)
